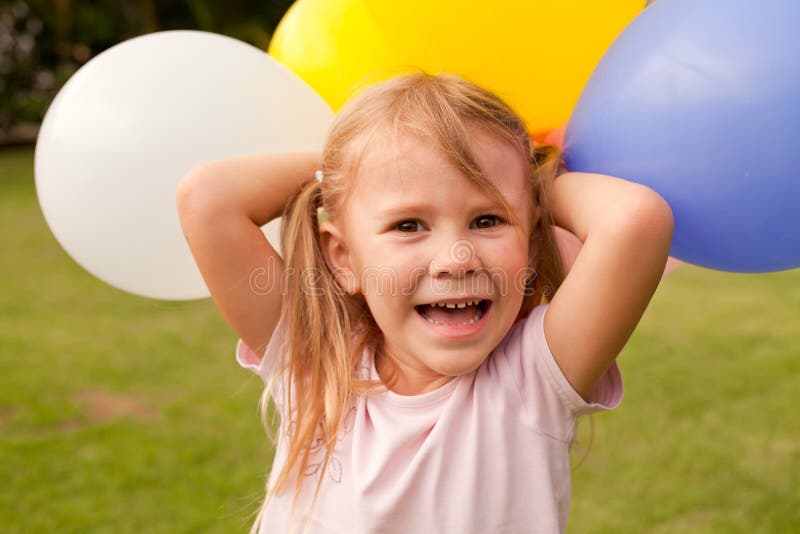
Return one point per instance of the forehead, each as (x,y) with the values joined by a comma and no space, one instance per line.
(411,170)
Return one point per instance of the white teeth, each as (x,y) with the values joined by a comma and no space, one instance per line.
(475,319)
(455,305)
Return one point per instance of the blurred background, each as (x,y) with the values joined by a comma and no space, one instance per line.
(42,43)
(125,414)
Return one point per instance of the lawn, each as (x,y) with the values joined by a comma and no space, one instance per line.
(124,414)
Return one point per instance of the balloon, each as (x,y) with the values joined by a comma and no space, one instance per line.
(130,123)
(536,54)
(555,137)
(568,243)
(674,104)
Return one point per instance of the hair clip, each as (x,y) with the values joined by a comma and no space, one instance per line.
(318,175)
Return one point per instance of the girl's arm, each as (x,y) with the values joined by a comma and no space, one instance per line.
(626,229)
(221,206)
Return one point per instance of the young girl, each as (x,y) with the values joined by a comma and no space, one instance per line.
(426,354)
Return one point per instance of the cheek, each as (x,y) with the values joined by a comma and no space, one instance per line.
(387,278)
(406,263)
(508,254)
(511,259)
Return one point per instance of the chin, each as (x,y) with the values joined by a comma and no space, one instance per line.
(459,367)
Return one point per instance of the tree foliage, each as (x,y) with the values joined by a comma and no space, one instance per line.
(43,42)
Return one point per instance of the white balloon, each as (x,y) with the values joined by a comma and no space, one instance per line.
(133,121)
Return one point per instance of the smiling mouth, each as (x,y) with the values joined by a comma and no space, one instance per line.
(465,312)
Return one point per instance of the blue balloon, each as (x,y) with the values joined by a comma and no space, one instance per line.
(700,100)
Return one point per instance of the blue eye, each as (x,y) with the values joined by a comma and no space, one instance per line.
(487,221)
(408,226)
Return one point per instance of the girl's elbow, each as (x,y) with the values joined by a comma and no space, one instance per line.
(194,193)
(662,219)
(649,216)
(186,199)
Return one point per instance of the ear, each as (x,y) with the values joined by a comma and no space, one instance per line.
(337,255)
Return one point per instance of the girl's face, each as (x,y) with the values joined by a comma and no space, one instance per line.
(419,232)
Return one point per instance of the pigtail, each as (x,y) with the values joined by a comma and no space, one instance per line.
(321,371)
(548,266)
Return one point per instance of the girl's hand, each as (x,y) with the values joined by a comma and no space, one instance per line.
(626,229)
(222,206)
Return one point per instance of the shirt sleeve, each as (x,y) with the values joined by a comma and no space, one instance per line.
(264,367)
(552,401)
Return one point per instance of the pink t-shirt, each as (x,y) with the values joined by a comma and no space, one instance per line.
(486,452)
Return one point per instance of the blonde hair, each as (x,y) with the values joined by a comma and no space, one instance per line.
(322,372)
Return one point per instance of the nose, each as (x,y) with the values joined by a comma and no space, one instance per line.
(454,258)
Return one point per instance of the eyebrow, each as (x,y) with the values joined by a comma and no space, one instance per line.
(400,210)
(403,209)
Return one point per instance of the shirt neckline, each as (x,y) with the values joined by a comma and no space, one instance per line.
(409,401)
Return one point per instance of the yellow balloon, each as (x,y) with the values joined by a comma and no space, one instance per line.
(535,54)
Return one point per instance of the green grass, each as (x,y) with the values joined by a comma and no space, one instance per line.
(707,438)
(184,452)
